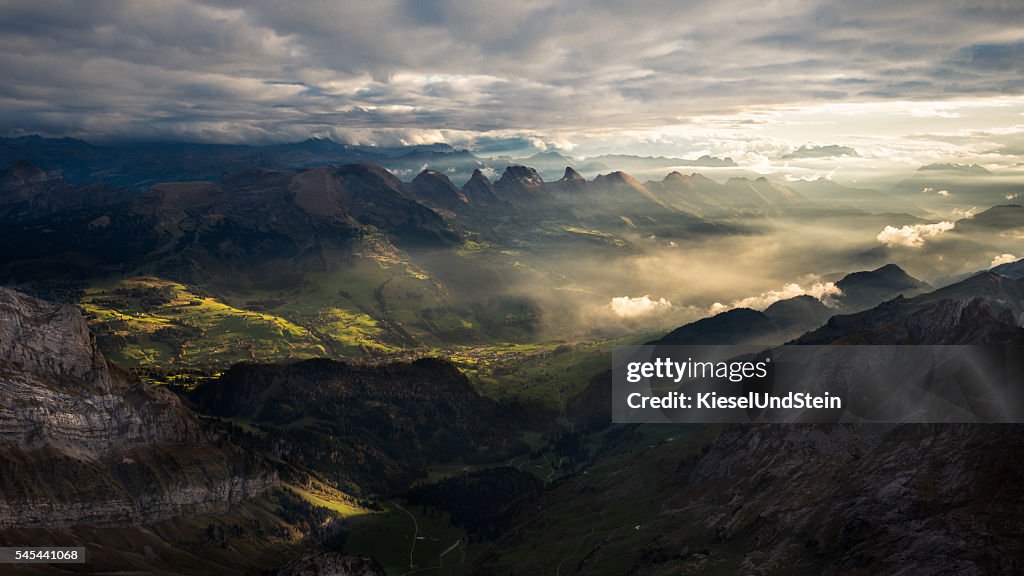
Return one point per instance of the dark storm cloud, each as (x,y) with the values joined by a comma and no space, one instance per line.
(407,70)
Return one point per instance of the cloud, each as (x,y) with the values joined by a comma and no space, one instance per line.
(966,214)
(824,291)
(912,236)
(627,307)
(1002,259)
(564,72)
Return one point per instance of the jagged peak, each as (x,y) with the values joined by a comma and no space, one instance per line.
(890,268)
(478,177)
(522,174)
(519,171)
(571,175)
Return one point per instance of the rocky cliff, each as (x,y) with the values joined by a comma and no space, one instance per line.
(82,443)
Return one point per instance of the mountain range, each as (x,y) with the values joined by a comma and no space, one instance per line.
(140,165)
(317,357)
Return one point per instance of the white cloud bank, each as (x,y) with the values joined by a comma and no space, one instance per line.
(824,291)
(1003,259)
(912,236)
(627,307)
(961,213)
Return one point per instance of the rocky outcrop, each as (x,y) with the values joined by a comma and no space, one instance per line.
(332,564)
(57,391)
(82,443)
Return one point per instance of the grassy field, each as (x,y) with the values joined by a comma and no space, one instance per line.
(155,322)
(326,497)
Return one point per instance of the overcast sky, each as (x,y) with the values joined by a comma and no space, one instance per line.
(903,82)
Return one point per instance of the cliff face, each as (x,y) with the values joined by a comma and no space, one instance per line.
(48,339)
(56,389)
(80,443)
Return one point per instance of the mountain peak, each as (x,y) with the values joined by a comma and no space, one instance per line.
(435,189)
(478,175)
(429,174)
(479,189)
(370,170)
(521,178)
(571,175)
(889,272)
(868,288)
(618,177)
(735,326)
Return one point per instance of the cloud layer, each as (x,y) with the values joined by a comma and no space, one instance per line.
(697,77)
(824,291)
(1003,259)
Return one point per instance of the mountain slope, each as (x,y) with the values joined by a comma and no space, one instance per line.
(865,289)
(371,429)
(261,224)
(985,308)
(801,499)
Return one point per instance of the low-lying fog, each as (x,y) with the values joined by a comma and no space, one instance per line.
(658,283)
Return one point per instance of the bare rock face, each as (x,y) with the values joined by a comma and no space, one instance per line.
(57,391)
(332,564)
(81,443)
(49,339)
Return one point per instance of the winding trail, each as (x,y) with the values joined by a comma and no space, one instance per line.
(413,569)
(415,536)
